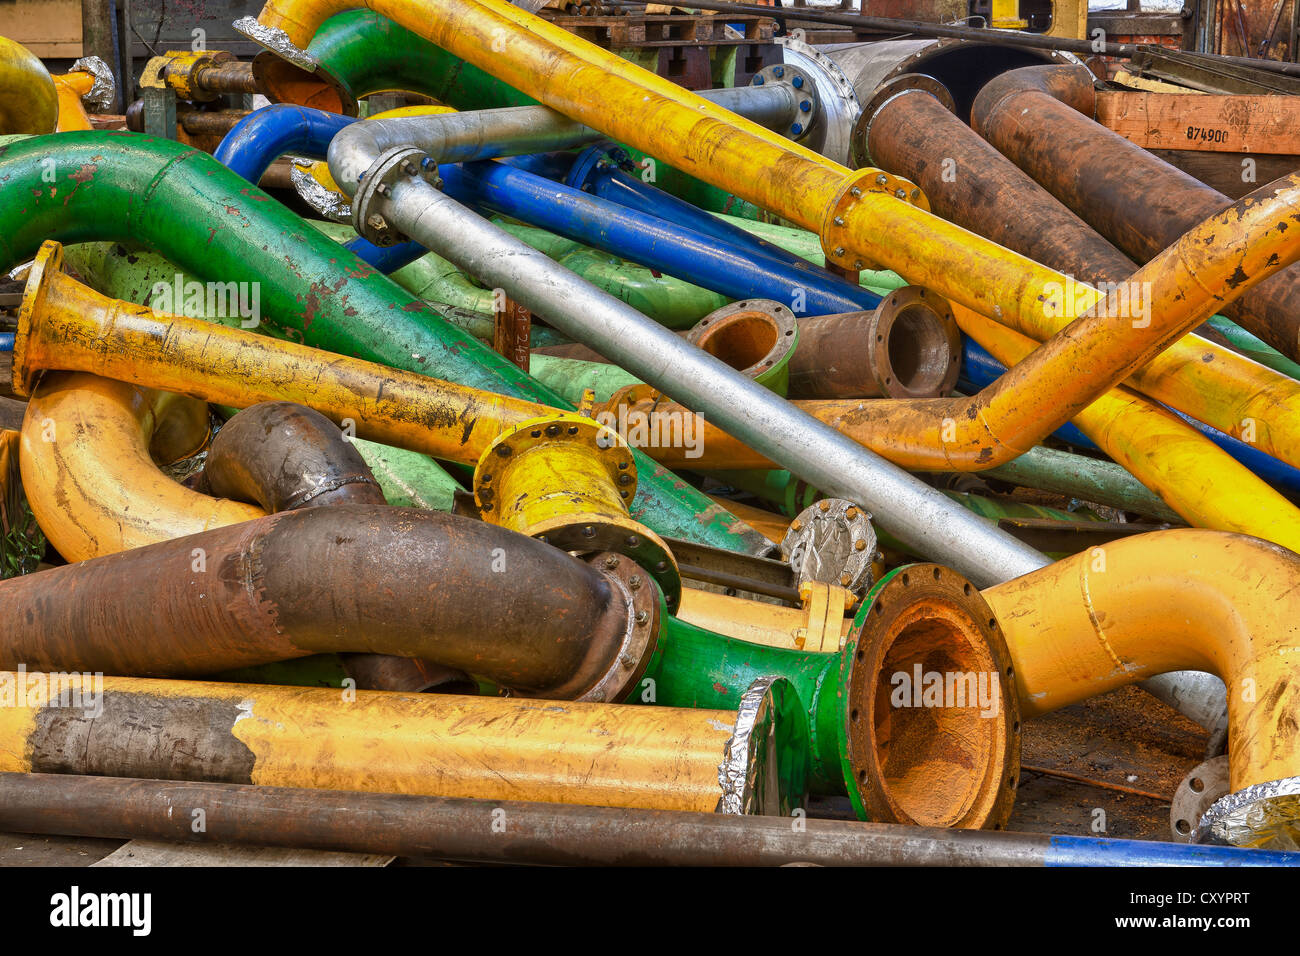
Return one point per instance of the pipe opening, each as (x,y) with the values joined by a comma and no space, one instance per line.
(282,82)
(744,340)
(918,352)
(933,720)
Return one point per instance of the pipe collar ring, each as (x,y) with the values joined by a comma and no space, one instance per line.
(392,165)
(888,91)
(837,242)
(804,88)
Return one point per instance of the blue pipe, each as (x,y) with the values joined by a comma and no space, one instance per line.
(264,135)
(979,369)
(6,341)
(1095,851)
(653,242)
(599,171)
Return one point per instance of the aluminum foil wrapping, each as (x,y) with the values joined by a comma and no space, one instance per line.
(744,755)
(277,41)
(104,90)
(821,545)
(1263,816)
(331,205)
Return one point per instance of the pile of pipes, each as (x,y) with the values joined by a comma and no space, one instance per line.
(569,467)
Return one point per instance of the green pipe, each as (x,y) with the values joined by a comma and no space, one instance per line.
(360,52)
(670,302)
(571,377)
(1253,347)
(1088,479)
(775,485)
(212,223)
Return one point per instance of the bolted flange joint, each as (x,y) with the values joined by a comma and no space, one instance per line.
(370,202)
(803,88)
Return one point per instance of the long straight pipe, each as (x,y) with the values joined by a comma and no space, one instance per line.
(449,828)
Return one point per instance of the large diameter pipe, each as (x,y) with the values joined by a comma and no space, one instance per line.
(29,102)
(1131,197)
(751,759)
(915,512)
(545,834)
(1169,600)
(141,190)
(358,578)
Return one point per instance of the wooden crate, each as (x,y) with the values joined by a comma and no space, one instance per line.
(1208,122)
(49,28)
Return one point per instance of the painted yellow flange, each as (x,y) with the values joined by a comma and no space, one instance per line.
(180,70)
(566,480)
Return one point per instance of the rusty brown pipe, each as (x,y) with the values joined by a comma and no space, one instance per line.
(1139,202)
(913,132)
(907,347)
(400,581)
(284,457)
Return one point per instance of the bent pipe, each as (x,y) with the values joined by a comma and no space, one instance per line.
(359,52)
(1204,484)
(1136,200)
(1208,266)
(1077,629)
(747,760)
(91,480)
(283,456)
(359,578)
(449,828)
(131,188)
(979,369)
(29,101)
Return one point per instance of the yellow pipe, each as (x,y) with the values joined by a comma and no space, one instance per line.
(771,525)
(1167,601)
(29,102)
(90,479)
(434,744)
(567,479)
(760,623)
(1199,480)
(71,87)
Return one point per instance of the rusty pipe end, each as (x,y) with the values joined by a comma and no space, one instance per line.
(285,456)
(915,345)
(283,82)
(932,724)
(892,89)
(754,336)
(1073,84)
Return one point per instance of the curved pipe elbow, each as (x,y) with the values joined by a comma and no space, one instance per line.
(1166,601)
(1072,84)
(29,100)
(283,457)
(90,477)
(256,141)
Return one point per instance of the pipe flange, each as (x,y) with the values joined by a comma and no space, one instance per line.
(326,202)
(104,89)
(584,531)
(930,733)
(803,84)
(1263,815)
(47,264)
(755,336)
(1203,786)
(832,542)
(836,242)
(934,370)
(887,92)
(645,616)
(766,763)
(182,72)
(837,103)
(277,41)
(392,166)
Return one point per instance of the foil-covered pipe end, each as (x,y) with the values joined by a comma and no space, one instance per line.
(104,90)
(765,764)
(277,41)
(1263,816)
